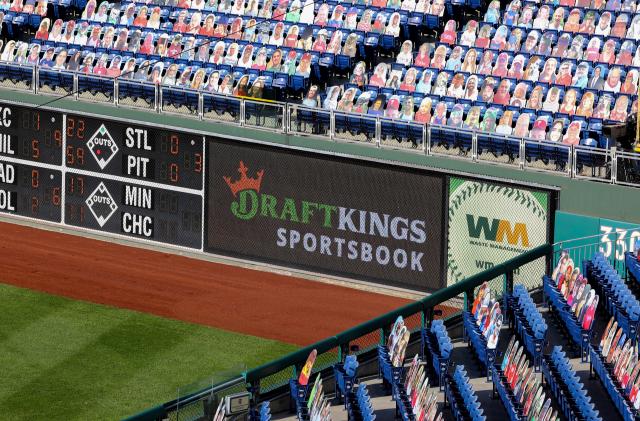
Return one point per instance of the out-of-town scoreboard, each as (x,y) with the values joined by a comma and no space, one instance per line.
(249,200)
(106,175)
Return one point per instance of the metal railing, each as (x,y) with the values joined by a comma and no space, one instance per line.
(613,244)
(605,165)
(626,168)
(274,376)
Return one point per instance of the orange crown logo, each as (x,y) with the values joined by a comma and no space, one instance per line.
(244,183)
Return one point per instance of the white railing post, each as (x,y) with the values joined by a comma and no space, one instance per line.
(614,165)
(290,108)
(75,86)
(332,125)
(522,152)
(285,115)
(474,146)
(424,139)
(573,154)
(200,106)
(158,98)
(116,91)
(35,79)
(428,140)
(243,109)
(378,132)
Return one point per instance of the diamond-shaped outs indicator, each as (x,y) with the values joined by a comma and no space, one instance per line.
(101,204)
(102,146)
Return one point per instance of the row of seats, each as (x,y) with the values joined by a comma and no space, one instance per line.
(211,80)
(519,387)
(266,8)
(437,347)
(623,404)
(391,357)
(173,45)
(345,375)
(463,399)
(414,399)
(529,323)
(614,362)
(210,24)
(577,293)
(547,153)
(505,92)
(364,406)
(619,301)
(482,326)
(30,7)
(576,329)
(262,412)
(224,24)
(632,263)
(86,59)
(301,65)
(298,394)
(561,17)
(551,66)
(567,387)
(227,27)
(494,14)
(490,118)
(561,44)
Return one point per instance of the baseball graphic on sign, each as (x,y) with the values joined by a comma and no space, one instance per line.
(490,224)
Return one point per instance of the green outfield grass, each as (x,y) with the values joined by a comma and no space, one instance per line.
(71,360)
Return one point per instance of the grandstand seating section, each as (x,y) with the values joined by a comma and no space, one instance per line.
(554,72)
(557,389)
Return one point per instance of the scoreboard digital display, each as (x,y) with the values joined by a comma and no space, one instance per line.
(31,134)
(133,151)
(120,177)
(30,191)
(127,208)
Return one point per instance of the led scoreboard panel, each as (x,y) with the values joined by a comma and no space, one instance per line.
(27,190)
(117,177)
(28,137)
(131,209)
(31,134)
(134,151)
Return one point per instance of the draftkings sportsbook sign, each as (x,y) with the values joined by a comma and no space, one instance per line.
(326,214)
(492,223)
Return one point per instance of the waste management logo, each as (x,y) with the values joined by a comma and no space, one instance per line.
(311,226)
(490,223)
